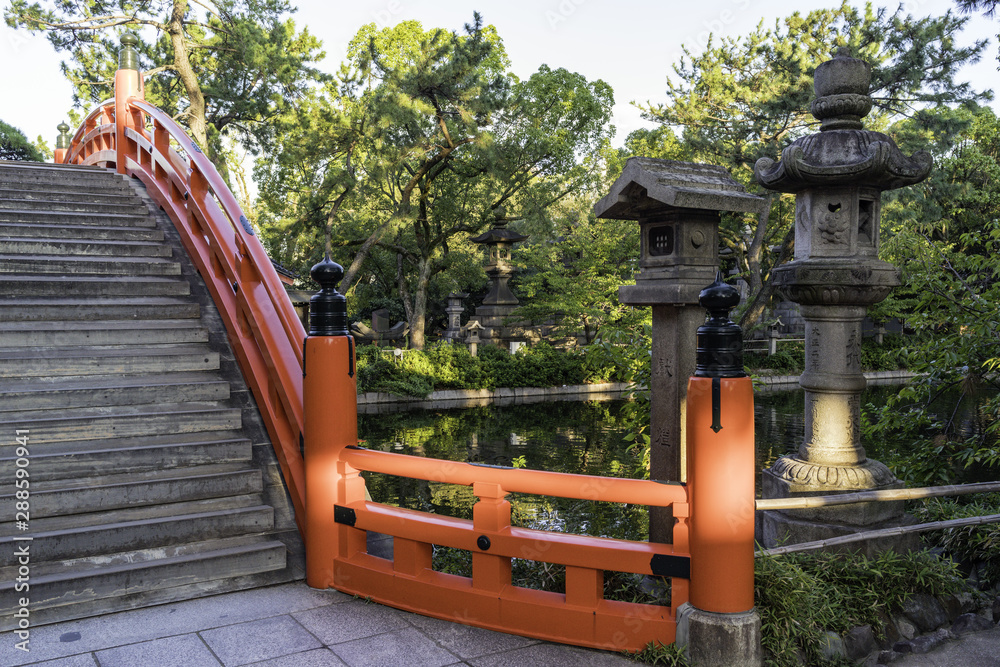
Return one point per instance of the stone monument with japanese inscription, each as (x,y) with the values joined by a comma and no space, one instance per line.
(677,206)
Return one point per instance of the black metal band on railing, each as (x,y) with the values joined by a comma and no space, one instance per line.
(328,308)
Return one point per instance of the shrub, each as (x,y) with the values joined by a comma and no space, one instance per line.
(971,546)
(802,595)
(444,366)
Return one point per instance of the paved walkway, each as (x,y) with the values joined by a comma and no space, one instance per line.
(290,625)
(979,649)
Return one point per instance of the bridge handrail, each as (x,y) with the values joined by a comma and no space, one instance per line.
(244,285)
(519,480)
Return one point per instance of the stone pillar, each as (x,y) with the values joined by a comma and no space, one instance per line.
(677,205)
(838,176)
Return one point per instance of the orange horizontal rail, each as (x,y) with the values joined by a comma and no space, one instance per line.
(584,551)
(266,334)
(519,480)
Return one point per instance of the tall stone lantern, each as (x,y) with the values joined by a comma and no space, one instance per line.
(837,176)
(677,205)
(499,302)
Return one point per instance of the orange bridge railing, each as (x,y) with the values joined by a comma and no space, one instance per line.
(306,391)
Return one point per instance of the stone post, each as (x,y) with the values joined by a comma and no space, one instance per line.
(677,205)
(837,176)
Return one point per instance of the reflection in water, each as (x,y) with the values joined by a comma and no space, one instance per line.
(572,437)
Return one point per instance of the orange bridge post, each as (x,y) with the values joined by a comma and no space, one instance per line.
(721,626)
(331,424)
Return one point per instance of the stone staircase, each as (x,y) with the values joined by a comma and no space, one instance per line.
(151,475)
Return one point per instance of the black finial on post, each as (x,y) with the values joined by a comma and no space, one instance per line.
(328,308)
(720,341)
(128,57)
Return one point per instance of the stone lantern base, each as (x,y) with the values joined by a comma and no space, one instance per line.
(791,477)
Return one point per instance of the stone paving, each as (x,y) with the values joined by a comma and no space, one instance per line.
(290,625)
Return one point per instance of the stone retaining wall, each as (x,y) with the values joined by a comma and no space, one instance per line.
(380,402)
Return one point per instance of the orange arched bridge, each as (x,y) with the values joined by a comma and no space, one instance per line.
(306,393)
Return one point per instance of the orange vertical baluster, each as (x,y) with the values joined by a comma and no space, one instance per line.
(490,514)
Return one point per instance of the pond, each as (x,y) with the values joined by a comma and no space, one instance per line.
(562,437)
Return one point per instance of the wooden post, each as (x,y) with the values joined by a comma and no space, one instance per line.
(331,424)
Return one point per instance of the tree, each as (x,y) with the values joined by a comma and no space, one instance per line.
(428,138)
(15,146)
(213,64)
(572,279)
(944,233)
(749,97)
(987,7)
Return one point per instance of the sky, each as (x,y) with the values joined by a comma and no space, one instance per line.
(630,44)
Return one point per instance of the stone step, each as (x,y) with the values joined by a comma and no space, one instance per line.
(127,455)
(124,422)
(49,393)
(104,186)
(90,232)
(53,175)
(98,248)
(106,332)
(48,362)
(66,497)
(55,193)
(77,206)
(63,218)
(69,286)
(144,534)
(81,588)
(36,309)
(104,266)
(55,524)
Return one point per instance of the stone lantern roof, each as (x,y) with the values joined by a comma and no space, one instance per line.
(646,185)
(843,152)
(498,233)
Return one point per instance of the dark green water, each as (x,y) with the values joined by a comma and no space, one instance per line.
(562,437)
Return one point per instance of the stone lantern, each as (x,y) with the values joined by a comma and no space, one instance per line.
(454,310)
(500,302)
(837,176)
(677,205)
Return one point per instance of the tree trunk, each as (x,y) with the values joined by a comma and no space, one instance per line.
(419,319)
(758,302)
(196,100)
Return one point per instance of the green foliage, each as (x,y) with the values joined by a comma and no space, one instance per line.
(217,66)
(945,234)
(972,545)
(743,98)
(422,140)
(15,146)
(444,366)
(800,596)
(789,359)
(670,655)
